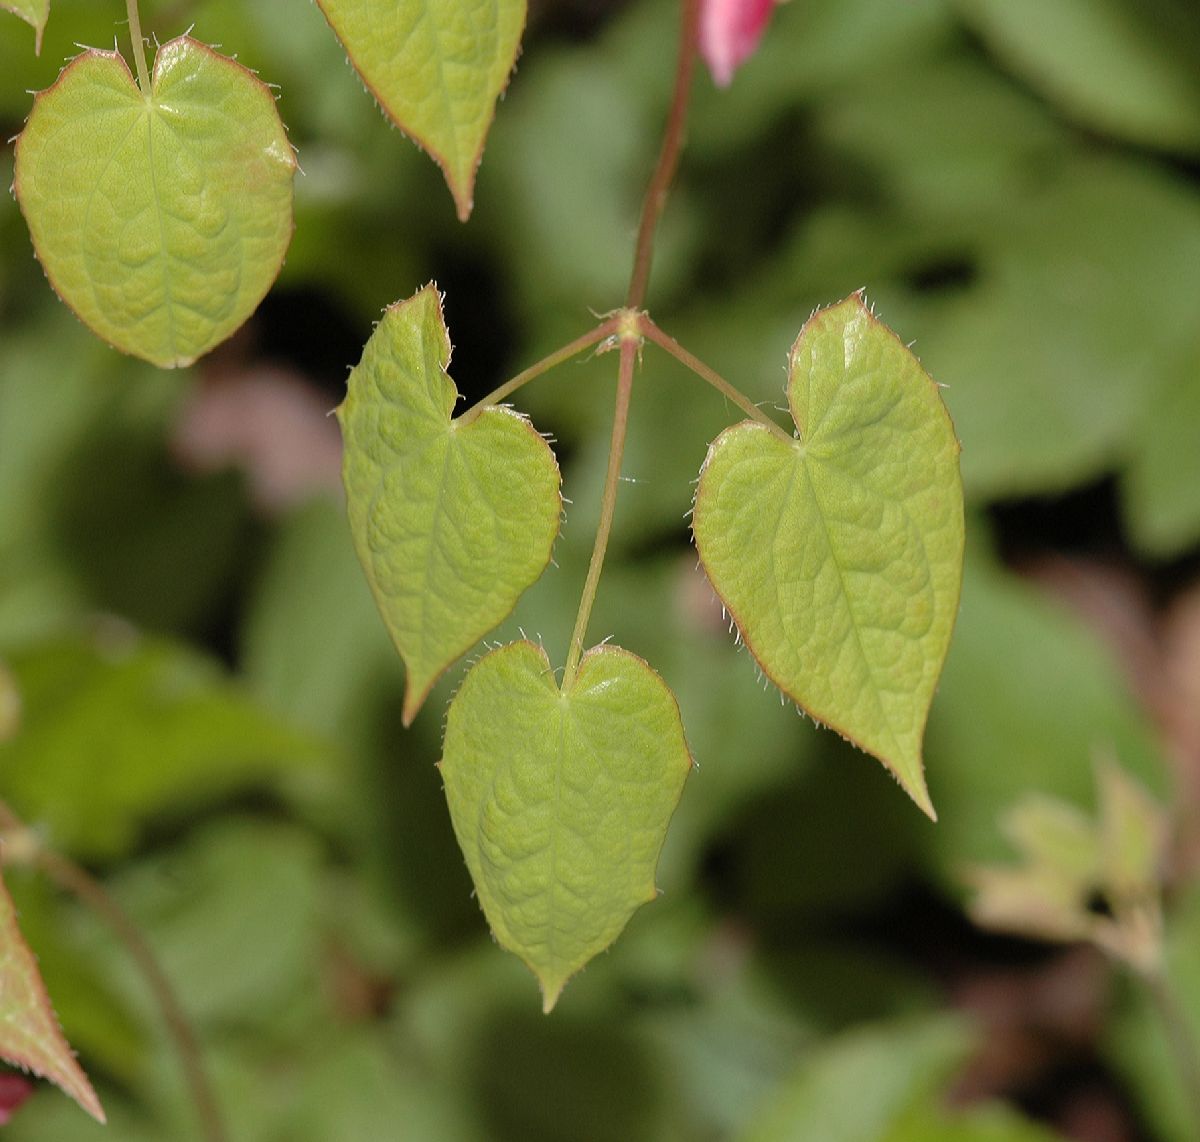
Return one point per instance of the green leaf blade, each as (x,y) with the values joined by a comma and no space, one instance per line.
(29,1033)
(436,69)
(451,521)
(33,12)
(560,799)
(839,555)
(161,220)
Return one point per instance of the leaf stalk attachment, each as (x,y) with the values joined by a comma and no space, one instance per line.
(629,328)
(602,331)
(608,505)
(731,393)
(139,47)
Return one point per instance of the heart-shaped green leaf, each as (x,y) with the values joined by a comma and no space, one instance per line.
(33,12)
(561,797)
(451,521)
(29,1032)
(162,218)
(839,553)
(437,68)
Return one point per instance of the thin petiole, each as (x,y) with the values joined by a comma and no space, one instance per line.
(602,331)
(665,341)
(139,48)
(608,506)
(627,321)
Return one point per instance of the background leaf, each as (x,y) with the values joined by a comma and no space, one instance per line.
(1028,699)
(882,1084)
(1135,1038)
(1158,489)
(118,730)
(1043,375)
(858,1089)
(1123,68)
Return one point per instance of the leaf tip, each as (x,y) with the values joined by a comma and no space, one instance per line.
(416,690)
(90,1101)
(410,709)
(464,199)
(919,792)
(551,990)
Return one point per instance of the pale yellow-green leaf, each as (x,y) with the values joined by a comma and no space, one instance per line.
(451,520)
(29,1033)
(34,13)
(1050,832)
(1033,900)
(1079,878)
(163,218)
(437,68)
(838,553)
(560,798)
(1045,896)
(1133,831)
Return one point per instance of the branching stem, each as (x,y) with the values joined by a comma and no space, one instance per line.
(139,48)
(604,330)
(81,884)
(608,505)
(665,341)
(629,320)
(668,157)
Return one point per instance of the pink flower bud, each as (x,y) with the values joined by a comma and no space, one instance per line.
(14,1090)
(729,34)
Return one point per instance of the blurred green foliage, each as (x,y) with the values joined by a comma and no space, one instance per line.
(210,710)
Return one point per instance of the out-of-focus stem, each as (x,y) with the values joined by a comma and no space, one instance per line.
(1180,1037)
(81,884)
